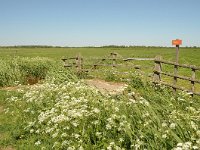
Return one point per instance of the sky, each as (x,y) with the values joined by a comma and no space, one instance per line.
(99,22)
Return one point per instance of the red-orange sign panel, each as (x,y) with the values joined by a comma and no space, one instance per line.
(177,42)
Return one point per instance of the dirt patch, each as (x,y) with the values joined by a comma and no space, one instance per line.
(7,148)
(107,87)
(32,80)
(15,88)
(11,88)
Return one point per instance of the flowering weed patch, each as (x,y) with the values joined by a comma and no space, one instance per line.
(71,115)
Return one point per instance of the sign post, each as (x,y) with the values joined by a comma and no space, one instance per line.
(176,42)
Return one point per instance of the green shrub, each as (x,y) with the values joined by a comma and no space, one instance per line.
(22,70)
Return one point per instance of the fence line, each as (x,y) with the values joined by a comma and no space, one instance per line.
(158,72)
(78,63)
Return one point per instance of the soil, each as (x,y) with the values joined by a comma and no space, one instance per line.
(106,87)
(10,88)
(7,148)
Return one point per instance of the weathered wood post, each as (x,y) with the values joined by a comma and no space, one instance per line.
(64,61)
(175,76)
(114,56)
(78,63)
(95,66)
(176,42)
(192,82)
(157,70)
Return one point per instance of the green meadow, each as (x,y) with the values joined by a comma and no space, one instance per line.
(187,55)
(46,106)
(91,55)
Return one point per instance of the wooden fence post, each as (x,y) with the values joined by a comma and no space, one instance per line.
(157,69)
(114,56)
(175,76)
(79,63)
(192,82)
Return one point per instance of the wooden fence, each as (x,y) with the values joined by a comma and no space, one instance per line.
(77,62)
(112,58)
(158,72)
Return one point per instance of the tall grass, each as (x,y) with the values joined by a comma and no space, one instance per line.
(24,70)
(71,115)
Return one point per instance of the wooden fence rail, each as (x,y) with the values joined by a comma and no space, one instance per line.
(158,72)
(112,58)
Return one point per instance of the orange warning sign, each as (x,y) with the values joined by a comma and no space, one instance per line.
(177,42)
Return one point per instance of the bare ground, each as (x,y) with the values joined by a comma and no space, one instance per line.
(106,87)
(7,148)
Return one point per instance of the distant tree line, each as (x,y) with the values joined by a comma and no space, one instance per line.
(106,46)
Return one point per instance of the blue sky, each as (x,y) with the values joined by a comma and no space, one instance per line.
(99,22)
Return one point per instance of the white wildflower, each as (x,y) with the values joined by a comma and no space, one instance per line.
(109,148)
(37,143)
(32,130)
(164,124)
(108,127)
(178,148)
(164,136)
(132,100)
(121,139)
(76,136)
(98,134)
(172,125)
(179,144)
(187,145)
(81,148)
(96,110)
(198,133)
(64,135)
(55,135)
(195,147)
(194,126)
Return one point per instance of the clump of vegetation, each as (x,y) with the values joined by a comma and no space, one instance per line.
(22,70)
(9,74)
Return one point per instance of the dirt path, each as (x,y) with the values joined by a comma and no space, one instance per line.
(106,87)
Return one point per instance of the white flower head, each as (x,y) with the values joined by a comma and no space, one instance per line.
(172,125)
(164,136)
(37,143)
(164,124)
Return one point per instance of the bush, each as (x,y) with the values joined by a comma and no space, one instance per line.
(22,70)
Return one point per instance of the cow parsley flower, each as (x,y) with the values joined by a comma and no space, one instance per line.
(37,143)
(172,125)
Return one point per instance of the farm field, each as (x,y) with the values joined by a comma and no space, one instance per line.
(46,106)
(187,55)
(91,55)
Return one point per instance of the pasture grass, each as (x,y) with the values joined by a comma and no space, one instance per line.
(62,107)
(187,55)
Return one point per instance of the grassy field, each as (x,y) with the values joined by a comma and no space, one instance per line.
(62,112)
(187,55)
